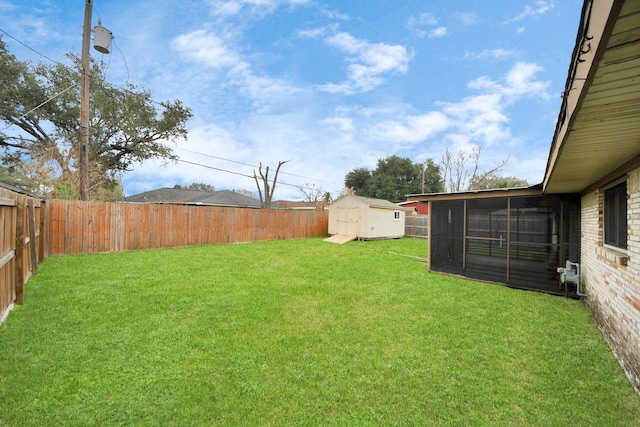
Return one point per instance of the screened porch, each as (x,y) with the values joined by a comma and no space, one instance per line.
(519,241)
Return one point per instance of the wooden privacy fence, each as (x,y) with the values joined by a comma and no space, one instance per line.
(21,245)
(416,226)
(76,227)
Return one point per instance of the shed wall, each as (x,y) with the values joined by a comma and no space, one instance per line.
(345,217)
(351,217)
(380,223)
(344,220)
(613,289)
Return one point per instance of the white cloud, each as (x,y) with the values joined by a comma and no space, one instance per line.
(343,125)
(234,7)
(491,54)
(419,24)
(540,8)
(466,18)
(438,32)
(369,62)
(413,128)
(314,32)
(217,53)
(519,81)
(209,49)
(334,14)
(424,19)
(479,118)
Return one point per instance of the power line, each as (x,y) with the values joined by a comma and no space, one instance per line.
(216,157)
(245,164)
(214,168)
(124,89)
(238,173)
(32,49)
(38,106)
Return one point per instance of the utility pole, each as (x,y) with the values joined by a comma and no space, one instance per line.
(83,160)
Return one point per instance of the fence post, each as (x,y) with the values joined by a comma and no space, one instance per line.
(43,246)
(19,271)
(33,242)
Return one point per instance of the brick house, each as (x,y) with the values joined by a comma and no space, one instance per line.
(587,209)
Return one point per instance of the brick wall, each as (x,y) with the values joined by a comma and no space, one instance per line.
(612,288)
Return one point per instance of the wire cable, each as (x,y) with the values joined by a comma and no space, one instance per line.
(124,89)
(244,164)
(238,173)
(123,59)
(38,106)
(32,49)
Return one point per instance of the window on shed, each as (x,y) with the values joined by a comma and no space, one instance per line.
(396,215)
(615,215)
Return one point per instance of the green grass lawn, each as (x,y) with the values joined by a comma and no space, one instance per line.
(298,333)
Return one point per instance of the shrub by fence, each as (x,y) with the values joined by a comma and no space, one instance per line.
(416,226)
(21,245)
(76,227)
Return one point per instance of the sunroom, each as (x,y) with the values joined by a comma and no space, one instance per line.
(518,237)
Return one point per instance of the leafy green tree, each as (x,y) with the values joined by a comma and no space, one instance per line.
(394,178)
(358,179)
(327,198)
(432,178)
(41,106)
(497,181)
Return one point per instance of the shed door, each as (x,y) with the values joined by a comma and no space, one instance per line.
(348,221)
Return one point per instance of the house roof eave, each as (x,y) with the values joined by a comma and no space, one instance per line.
(598,127)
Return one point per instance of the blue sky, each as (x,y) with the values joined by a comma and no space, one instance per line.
(328,86)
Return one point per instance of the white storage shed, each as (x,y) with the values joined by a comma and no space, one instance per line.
(366,218)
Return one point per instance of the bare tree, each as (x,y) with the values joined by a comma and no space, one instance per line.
(247,193)
(311,193)
(267,188)
(462,172)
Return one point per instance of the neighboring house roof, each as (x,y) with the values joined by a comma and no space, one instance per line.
(288,204)
(231,198)
(373,203)
(598,128)
(178,195)
(168,195)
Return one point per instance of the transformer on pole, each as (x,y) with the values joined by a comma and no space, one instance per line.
(102,43)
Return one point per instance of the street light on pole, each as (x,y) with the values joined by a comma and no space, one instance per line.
(101,44)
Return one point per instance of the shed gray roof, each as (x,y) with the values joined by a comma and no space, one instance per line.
(374,203)
(178,195)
